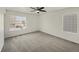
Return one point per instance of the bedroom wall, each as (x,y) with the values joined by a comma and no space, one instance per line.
(31,20)
(52,23)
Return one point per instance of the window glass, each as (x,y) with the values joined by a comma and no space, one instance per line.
(17,23)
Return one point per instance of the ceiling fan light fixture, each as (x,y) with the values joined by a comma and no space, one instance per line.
(37,11)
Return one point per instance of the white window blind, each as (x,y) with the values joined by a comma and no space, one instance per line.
(70,23)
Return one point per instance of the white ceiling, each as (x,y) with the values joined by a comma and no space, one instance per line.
(28,9)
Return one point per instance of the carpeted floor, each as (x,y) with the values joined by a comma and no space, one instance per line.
(38,42)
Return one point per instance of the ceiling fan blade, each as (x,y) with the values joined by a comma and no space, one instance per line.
(42,10)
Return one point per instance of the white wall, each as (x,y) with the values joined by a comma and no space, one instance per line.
(52,23)
(1,28)
(32,23)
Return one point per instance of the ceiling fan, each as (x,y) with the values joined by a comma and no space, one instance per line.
(38,9)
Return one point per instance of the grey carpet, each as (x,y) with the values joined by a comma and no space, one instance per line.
(38,42)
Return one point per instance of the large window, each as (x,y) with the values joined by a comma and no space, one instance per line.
(17,22)
(70,23)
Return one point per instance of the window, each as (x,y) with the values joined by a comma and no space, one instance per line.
(17,22)
(70,23)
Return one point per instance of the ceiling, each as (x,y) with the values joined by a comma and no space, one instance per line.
(27,9)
